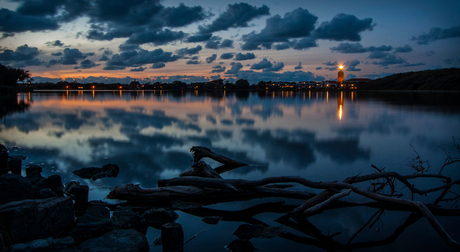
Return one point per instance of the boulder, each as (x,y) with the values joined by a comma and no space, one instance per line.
(92,224)
(79,193)
(119,240)
(13,187)
(45,194)
(28,220)
(54,183)
(33,168)
(125,218)
(157,217)
(66,244)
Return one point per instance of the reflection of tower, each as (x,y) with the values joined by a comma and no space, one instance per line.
(340,105)
(341,75)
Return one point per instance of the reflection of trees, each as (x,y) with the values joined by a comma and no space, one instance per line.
(9,104)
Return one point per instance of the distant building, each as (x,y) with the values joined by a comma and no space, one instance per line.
(341,77)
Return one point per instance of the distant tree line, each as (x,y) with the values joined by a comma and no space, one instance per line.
(9,76)
(440,79)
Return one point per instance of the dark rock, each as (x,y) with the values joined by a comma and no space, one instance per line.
(213,220)
(94,223)
(37,181)
(240,246)
(94,173)
(125,218)
(3,157)
(54,183)
(172,237)
(28,220)
(15,164)
(33,168)
(79,193)
(122,240)
(14,187)
(248,231)
(45,194)
(201,169)
(48,244)
(157,217)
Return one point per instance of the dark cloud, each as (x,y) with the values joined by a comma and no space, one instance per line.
(403,49)
(236,15)
(351,76)
(158,65)
(6,35)
(351,65)
(349,48)
(236,67)
(218,69)
(262,65)
(57,54)
(193,61)
(22,53)
(139,69)
(57,43)
(378,55)
(254,77)
(11,21)
(389,59)
(158,37)
(343,27)
(127,47)
(430,53)
(277,66)
(71,56)
(247,56)
(330,63)
(411,64)
(226,43)
(453,62)
(138,58)
(437,33)
(182,15)
(318,68)
(382,48)
(304,43)
(211,58)
(299,66)
(213,43)
(226,55)
(199,38)
(86,64)
(186,51)
(296,24)
(104,58)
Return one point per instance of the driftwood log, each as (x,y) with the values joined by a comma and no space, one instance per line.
(381,193)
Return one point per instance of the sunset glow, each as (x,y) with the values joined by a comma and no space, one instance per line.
(154,41)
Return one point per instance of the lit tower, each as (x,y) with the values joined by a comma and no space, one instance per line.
(340,78)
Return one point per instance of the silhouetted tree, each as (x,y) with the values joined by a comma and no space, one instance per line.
(241,84)
(10,76)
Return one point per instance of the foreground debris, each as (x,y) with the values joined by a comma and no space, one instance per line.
(382,194)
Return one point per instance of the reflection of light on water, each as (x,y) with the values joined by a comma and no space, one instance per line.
(340,112)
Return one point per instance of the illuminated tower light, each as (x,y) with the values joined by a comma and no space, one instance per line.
(341,77)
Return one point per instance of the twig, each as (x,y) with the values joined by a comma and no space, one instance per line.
(193,237)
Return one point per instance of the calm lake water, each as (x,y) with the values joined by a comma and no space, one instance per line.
(321,136)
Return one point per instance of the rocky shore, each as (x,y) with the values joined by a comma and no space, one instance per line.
(41,214)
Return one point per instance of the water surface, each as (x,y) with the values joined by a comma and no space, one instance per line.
(321,136)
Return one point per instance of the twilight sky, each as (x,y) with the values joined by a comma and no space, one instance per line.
(150,40)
